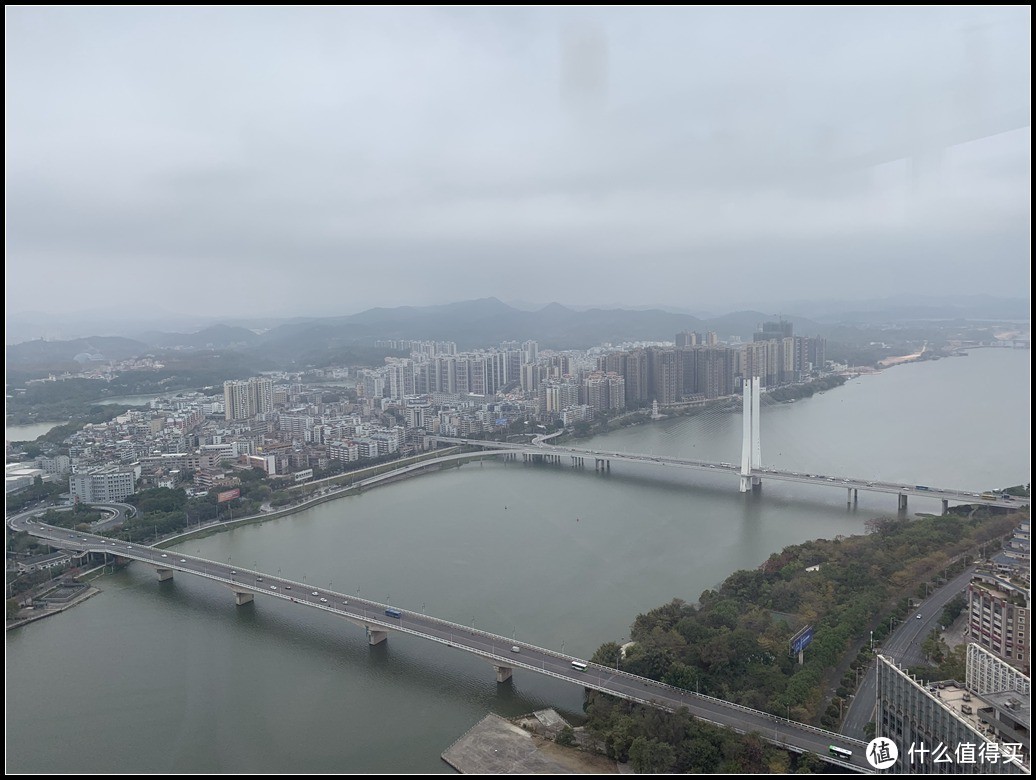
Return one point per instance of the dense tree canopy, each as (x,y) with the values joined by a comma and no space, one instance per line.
(734,643)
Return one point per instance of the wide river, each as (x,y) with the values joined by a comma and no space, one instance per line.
(172,677)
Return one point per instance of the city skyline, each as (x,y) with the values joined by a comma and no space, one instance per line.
(323,161)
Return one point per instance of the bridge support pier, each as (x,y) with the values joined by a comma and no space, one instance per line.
(945,506)
(503,673)
(242,597)
(902,502)
(164,574)
(376,637)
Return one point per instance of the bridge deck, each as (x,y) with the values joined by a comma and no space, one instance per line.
(874,486)
(495,648)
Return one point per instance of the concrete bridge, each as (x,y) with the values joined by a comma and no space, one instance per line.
(602,460)
(751,472)
(503,653)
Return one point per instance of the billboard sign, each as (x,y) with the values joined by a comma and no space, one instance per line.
(228,495)
(801,640)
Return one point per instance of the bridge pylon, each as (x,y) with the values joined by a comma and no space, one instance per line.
(751,451)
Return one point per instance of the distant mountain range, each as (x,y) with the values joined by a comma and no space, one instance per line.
(477,323)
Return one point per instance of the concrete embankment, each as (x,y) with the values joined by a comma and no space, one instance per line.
(498,746)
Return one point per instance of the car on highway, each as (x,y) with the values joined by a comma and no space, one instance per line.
(287,587)
(164,555)
(918,615)
(233,571)
(515,649)
(183,560)
(258,579)
(314,593)
(273,587)
(323,600)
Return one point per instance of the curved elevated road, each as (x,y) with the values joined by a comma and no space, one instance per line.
(496,649)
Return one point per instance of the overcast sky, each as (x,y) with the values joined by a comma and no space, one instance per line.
(327,160)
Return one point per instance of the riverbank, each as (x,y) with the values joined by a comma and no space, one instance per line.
(423,464)
(522,745)
(40,611)
(895,361)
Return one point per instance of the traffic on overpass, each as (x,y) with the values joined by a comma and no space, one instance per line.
(504,653)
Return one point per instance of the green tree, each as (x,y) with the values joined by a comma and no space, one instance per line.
(934,648)
(809,763)
(566,737)
(702,755)
(649,756)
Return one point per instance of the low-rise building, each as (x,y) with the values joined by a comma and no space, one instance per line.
(102,485)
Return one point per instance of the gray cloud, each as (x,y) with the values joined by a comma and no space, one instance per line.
(334,159)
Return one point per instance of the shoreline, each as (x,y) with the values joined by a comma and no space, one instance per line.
(48,611)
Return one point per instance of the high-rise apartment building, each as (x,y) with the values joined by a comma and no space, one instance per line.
(663,376)
(636,375)
(248,398)
(686,338)
(999,619)
(604,392)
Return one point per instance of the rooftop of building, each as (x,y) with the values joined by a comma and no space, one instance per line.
(1016,706)
(978,711)
(1002,586)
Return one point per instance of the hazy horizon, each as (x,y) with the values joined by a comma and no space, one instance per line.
(278,162)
